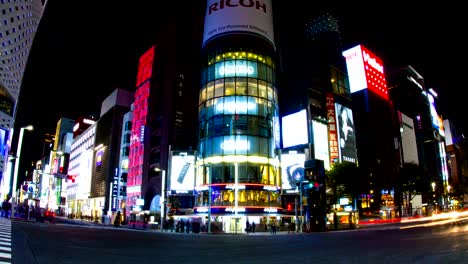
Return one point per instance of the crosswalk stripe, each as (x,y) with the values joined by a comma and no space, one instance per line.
(5,255)
(5,248)
(5,241)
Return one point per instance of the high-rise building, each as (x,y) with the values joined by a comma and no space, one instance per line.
(80,168)
(237,159)
(411,96)
(164,110)
(19,22)
(107,152)
(376,127)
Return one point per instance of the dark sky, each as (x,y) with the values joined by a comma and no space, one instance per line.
(83,52)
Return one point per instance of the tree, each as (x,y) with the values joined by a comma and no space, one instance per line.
(411,182)
(346,179)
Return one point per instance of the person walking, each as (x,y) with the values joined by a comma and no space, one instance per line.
(253,227)
(118,219)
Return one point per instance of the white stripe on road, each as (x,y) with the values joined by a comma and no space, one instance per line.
(5,239)
(5,243)
(5,235)
(5,255)
(5,248)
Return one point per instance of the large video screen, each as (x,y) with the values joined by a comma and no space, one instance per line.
(321,143)
(182,173)
(292,169)
(294,129)
(346,134)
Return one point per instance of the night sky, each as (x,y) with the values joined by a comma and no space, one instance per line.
(83,52)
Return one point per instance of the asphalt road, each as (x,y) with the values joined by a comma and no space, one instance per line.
(63,243)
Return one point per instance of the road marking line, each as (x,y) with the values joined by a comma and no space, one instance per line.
(5,243)
(5,255)
(5,248)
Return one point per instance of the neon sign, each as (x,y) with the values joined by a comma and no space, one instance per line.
(240,68)
(235,210)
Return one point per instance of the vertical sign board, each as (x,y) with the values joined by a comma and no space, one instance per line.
(135,173)
(332,130)
(365,71)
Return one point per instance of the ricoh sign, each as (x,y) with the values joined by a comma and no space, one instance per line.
(238,16)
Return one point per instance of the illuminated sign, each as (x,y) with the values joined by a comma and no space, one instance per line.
(235,105)
(292,169)
(294,129)
(321,149)
(134,189)
(201,188)
(202,209)
(235,144)
(237,16)
(365,71)
(233,187)
(270,188)
(346,134)
(99,157)
(235,209)
(239,68)
(182,172)
(270,210)
(332,130)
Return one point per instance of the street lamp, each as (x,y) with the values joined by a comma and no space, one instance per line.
(163,196)
(300,221)
(15,173)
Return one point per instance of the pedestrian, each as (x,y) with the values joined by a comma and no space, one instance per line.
(247,226)
(118,219)
(253,227)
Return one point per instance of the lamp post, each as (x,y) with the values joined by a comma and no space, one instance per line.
(163,196)
(299,222)
(15,173)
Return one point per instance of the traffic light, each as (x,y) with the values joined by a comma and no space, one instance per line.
(289,207)
(71,177)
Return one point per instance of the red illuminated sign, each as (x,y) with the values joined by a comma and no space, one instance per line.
(145,67)
(365,71)
(332,130)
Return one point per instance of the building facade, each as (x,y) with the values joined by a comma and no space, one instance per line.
(19,23)
(237,158)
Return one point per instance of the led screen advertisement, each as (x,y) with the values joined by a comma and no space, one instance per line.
(294,129)
(3,140)
(408,139)
(346,134)
(239,68)
(365,71)
(292,169)
(182,173)
(236,16)
(321,152)
(332,129)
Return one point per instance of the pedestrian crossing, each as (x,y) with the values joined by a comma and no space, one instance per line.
(5,241)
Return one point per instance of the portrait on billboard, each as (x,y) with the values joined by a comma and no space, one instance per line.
(292,169)
(346,133)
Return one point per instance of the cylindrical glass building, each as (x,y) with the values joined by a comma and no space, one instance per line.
(238,119)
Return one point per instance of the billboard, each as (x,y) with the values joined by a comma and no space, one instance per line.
(365,71)
(294,129)
(321,143)
(332,133)
(292,169)
(182,173)
(346,134)
(236,16)
(408,139)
